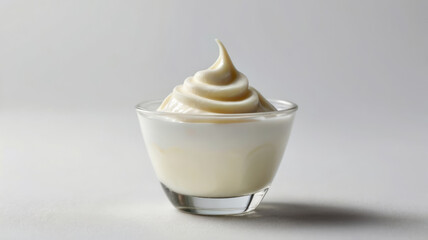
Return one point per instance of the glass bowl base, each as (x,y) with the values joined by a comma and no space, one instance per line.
(215,205)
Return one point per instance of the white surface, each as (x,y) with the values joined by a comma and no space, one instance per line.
(72,161)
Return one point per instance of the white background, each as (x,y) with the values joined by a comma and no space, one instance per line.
(73,164)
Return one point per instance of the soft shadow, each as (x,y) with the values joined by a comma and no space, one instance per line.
(321,215)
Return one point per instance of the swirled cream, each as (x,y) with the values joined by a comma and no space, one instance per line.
(217,90)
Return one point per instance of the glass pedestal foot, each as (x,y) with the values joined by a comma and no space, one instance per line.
(215,205)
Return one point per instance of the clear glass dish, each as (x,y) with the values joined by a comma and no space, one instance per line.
(216,164)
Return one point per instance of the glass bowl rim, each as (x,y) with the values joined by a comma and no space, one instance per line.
(142,107)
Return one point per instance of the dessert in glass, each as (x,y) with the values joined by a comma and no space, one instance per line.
(215,142)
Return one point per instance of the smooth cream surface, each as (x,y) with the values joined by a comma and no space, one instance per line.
(217,90)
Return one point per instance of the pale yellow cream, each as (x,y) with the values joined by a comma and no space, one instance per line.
(217,90)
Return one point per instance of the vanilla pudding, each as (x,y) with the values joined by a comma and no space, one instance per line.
(215,142)
(208,159)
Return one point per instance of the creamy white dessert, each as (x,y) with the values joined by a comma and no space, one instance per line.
(219,89)
(215,136)
(216,159)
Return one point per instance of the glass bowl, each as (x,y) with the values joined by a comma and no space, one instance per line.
(216,164)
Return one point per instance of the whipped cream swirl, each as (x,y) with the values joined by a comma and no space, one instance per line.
(219,89)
